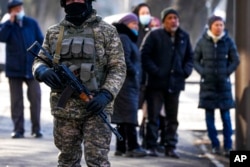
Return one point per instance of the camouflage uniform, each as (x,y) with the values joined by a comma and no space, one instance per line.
(72,125)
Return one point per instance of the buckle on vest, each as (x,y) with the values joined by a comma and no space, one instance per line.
(56,58)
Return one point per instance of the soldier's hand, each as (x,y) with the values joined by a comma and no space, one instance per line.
(99,102)
(48,76)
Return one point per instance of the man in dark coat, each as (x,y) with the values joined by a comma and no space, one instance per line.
(215,59)
(19,32)
(167,57)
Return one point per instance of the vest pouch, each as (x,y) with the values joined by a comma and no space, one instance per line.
(87,76)
(88,48)
(65,48)
(75,70)
(76,48)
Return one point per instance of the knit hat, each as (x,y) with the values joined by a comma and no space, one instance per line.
(167,11)
(128,18)
(14,3)
(212,19)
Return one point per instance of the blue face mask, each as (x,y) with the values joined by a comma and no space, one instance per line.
(135,31)
(145,19)
(20,15)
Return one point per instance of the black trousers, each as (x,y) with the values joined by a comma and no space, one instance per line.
(129,134)
(155,100)
(17,103)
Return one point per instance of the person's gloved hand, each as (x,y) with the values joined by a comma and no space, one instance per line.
(48,76)
(99,102)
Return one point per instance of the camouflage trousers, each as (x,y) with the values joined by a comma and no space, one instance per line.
(92,132)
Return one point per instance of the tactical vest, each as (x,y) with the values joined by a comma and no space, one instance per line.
(79,54)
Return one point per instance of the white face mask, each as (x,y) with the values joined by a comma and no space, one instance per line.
(20,15)
(145,19)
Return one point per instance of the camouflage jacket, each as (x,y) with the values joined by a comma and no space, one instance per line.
(109,57)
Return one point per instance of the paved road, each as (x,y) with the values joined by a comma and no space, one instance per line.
(194,146)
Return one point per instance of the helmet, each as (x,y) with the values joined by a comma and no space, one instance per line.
(63,2)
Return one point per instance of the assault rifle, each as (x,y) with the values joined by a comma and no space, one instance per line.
(72,83)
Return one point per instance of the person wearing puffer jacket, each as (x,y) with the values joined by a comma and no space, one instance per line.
(215,59)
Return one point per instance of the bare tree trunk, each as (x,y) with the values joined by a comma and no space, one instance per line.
(193,17)
(46,12)
(42,9)
(158,5)
(230,19)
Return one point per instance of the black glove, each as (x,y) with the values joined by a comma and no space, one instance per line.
(48,76)
(99,102)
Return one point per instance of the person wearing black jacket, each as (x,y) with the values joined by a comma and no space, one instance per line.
(215,59)
(167,57)
(126,102)
(146,24)
(143,12)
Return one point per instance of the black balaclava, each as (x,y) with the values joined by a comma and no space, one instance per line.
(77,13)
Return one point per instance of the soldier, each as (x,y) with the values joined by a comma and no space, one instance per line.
(83,40)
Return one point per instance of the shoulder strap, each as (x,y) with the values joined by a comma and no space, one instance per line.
(58,46)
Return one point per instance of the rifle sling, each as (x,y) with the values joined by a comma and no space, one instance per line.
(58,46)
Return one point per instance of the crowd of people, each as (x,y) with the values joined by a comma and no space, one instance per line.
(140,62)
